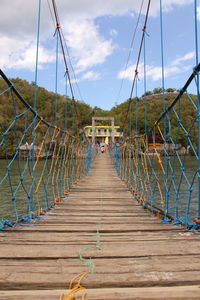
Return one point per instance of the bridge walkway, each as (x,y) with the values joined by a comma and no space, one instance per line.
(140,258)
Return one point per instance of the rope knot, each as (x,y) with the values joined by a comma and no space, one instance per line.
(144,29)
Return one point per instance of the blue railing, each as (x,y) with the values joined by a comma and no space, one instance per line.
(39,161)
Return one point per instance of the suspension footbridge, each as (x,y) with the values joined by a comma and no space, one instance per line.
(100,229)
(76,223)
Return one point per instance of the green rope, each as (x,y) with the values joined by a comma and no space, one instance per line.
(88,262)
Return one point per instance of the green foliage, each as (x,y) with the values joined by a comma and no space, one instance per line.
(170,90)
(146,117)
(148,93)
(157,91)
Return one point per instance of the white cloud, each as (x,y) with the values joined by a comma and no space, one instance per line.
(19,19)
(22,55)
(155,72)
(186,57)
(113,33)
(86,45)
(168,5)
(90,9)
(27,58)
(198,13)
(91,75)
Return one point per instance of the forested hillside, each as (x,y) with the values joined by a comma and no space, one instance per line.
(148,109)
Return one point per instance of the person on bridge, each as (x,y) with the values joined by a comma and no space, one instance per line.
(102,149)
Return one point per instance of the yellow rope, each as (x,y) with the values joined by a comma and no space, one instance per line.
(75,286)
(132,154)
(53,165)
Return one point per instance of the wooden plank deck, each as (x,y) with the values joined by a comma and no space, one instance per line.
(140,258)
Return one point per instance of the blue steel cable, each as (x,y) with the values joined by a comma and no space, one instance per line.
(198,99)
(56,80)
(130,118)
(137,136)
(164,105)
(9,88)
(145,87)
(21,173)
(31,131)
(35,102)
(73,117)
(44,170)
(131,48)
(179,182)
(61,155)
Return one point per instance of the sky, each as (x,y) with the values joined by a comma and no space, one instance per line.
(98,34)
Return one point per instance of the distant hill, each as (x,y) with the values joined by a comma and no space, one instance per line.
(150,110)
(84,112)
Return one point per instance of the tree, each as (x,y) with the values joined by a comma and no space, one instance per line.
(148,93)
(157,90)
(170,90)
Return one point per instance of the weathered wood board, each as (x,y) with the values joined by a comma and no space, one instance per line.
(140,258)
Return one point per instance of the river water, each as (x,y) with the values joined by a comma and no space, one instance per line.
(18,189)
(181,184)
(17,185)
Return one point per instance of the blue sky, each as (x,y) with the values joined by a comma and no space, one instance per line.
(98,34)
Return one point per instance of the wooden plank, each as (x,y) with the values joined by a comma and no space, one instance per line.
(37,236)
(151,293)
(168,263)
(52,278)
(112,249)
(104,228)
(106,221)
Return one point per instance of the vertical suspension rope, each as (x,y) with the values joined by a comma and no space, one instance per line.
(31,208)
(137,136)
(62,46)
(73,117)
(164,107)
(145,88)
(198,99)
(56,80)
(136,109)
(138,60)
(66,110)
(130,119)
(36,139)
(37,56)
